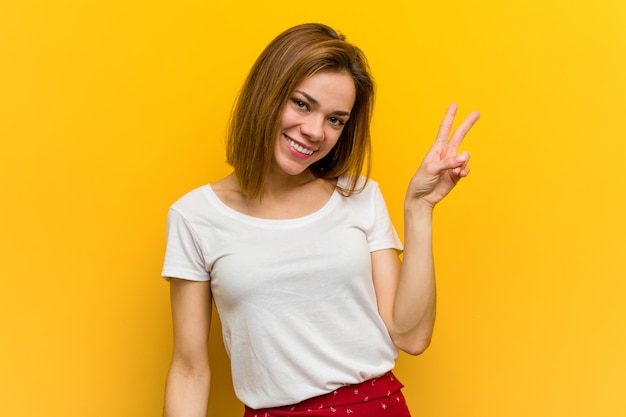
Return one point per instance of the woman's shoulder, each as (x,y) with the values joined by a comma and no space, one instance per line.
(193,200)
(229,194)
(364,185)
(202,194)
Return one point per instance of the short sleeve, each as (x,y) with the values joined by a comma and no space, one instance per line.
(382,233)
(183,254)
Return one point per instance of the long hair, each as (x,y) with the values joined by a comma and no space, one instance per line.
(295,54)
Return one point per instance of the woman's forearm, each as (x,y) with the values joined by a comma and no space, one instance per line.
(415,303)
(187,391)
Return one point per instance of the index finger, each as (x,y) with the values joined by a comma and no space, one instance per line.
(446,124)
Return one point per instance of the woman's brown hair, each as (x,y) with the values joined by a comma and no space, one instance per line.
(295,54)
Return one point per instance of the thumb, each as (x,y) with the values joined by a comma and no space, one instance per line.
(451,162)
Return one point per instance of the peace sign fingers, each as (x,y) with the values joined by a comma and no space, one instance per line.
(442,166)
(460,132)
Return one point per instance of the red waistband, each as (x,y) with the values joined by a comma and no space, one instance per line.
(370,390)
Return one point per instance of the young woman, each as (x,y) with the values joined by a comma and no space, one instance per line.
(296,247)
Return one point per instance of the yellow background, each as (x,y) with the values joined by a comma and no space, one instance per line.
(111,110)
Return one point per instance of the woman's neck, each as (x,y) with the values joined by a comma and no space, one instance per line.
(283,197)
(279,183)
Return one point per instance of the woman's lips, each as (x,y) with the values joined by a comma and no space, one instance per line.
(301,150)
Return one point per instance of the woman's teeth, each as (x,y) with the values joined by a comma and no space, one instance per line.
(300,148)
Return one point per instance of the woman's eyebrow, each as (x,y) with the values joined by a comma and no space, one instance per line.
(317,103)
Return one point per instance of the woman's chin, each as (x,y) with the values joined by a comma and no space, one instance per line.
(289,167)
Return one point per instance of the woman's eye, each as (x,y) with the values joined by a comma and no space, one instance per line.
(299,103)
(336,121)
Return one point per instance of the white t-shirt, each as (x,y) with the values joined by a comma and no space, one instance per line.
(295,297)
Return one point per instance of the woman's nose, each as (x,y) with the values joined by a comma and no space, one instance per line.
(313,128)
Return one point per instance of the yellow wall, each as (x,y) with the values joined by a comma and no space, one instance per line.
(110,110)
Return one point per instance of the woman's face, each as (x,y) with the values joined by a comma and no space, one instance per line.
(312,120)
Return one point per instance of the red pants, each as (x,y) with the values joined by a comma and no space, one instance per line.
(378,397)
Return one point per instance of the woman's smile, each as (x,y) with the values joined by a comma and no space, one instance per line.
(300,151)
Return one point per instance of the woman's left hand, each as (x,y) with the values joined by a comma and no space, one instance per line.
(442,166)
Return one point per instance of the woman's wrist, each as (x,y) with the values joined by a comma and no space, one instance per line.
(419,208)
